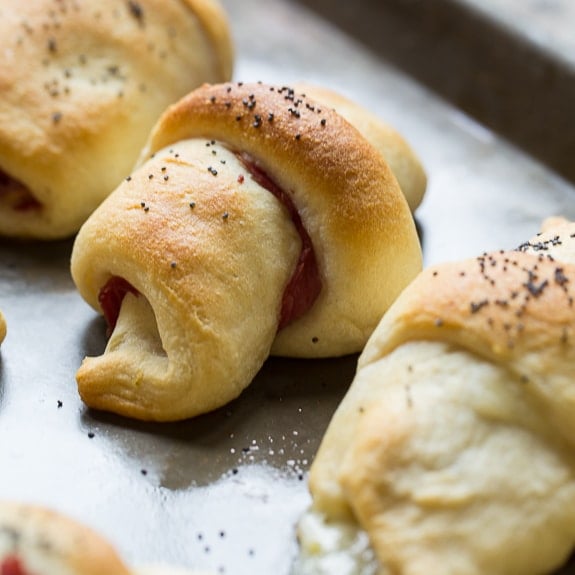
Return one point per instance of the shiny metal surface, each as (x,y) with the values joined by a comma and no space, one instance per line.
(510,64)
(224,491)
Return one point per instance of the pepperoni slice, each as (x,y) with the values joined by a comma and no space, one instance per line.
(304,285)
(17,193)
(110,299)
(12,565)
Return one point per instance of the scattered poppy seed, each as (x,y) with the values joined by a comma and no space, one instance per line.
(136,11)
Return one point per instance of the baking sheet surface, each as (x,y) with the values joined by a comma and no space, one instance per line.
(224,491)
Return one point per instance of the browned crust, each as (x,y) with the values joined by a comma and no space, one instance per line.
(390,144)
(503,305)
(285,130)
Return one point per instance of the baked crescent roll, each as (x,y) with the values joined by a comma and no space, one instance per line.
(454,449)
(35,540)
(81,85)
(258,222)
(2,327)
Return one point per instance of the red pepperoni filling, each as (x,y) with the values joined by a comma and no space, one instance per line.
(304,285)
(17,194)
(110,299)
(12,565)
(301,291)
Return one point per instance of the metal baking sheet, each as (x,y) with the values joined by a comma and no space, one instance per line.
(223,492)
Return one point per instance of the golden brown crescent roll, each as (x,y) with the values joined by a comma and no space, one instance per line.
(399,155)
(36,540)
(81,85)
(257,222)
(454,449)
(2,327)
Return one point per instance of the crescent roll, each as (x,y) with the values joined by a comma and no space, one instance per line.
(258,222)
(453,451)
(81,85)
(36,540)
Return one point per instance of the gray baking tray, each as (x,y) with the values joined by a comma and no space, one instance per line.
(224,491)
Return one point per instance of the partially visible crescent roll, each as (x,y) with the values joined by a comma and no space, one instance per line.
(163,570)
(2,327)
(258,222)
(36,540)
(81,85)
(454,449)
